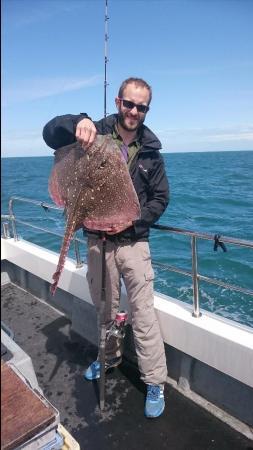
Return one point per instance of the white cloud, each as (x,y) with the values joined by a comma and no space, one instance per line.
(34,89)
(24,143)
(238,137)
(242,135)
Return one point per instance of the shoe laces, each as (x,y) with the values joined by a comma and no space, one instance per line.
(153,392)
(95,365)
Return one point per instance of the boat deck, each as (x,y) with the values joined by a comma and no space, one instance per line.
(60,356)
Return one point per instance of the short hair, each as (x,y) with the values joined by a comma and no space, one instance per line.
(137,82)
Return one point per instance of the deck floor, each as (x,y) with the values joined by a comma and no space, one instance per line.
(59,357)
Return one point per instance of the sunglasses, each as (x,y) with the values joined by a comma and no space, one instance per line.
(130,105)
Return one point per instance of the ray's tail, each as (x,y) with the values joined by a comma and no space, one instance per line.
(71,224)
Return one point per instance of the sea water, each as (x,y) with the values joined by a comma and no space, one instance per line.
(210,192)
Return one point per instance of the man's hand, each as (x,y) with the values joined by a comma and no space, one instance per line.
(86,132)
(118,229)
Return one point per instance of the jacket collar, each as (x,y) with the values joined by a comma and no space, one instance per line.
(146,137)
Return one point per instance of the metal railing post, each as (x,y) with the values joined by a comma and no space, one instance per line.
(13,224)
(77,253)
(6,231)
(195,281)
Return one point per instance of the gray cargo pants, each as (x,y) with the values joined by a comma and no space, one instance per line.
(133,262)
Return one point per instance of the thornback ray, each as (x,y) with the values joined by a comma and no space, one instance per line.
(95,188)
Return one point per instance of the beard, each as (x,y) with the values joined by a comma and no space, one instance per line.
(125,121)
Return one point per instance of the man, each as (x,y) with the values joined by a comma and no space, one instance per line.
(127,248)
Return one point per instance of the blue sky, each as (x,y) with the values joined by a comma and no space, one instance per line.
(196,54)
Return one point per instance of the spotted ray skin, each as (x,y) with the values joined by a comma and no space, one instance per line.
(94,187)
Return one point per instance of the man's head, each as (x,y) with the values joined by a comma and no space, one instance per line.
(133,102)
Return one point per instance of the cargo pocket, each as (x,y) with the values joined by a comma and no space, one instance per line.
(149,275)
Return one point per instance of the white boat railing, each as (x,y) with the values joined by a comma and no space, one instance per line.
(219,241)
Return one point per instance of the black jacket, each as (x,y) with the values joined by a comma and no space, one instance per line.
(147,169)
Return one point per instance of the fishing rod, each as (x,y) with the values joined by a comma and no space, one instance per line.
(106,57)
(102,341)
(102,324)
(117,329)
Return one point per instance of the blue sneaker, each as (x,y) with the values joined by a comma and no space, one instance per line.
(155,404)
(93,371)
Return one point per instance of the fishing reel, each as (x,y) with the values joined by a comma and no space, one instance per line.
(118,327)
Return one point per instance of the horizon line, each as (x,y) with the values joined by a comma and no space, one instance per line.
(162,152)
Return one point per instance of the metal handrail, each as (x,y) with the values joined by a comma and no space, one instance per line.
(187,273)
(46,206)
(34,202)
(210,237)
(196,277)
